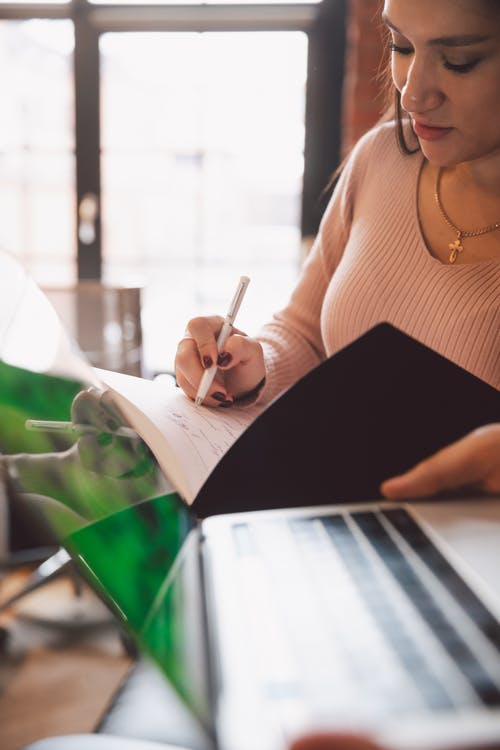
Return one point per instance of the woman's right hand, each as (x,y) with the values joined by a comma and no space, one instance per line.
(240,364)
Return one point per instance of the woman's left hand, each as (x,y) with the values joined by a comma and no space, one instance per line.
(472,464)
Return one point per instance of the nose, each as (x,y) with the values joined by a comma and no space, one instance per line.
(420,92)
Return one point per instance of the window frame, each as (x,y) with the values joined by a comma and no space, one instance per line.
(323,22)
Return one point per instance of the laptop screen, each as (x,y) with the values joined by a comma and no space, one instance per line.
(144,561)
(102,496)
(62,466)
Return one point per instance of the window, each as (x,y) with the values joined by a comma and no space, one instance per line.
(175,146)
(37,173)
(202,162)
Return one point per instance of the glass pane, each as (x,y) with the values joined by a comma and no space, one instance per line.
(37,180)
(202,138)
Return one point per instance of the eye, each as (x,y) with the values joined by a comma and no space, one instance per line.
(460,68)
(400,50)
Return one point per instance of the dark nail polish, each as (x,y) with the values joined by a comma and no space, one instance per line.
(218,396)
(207,362)
(224,359)
(226,403)
(113,426)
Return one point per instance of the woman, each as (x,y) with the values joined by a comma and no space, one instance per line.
(411,235)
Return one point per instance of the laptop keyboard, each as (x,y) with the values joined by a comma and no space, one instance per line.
(362,609)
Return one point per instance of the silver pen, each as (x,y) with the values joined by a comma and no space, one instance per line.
(209,374)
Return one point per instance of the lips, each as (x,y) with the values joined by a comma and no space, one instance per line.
(430,132)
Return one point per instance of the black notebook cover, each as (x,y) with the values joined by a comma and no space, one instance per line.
(371,411)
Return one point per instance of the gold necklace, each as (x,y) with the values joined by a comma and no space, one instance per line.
(456,247)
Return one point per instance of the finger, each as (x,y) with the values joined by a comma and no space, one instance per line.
(424,480)
(188,367)
(240,348)
(204,332)
(243,364)
(185,384)
(216,396)
(457,465)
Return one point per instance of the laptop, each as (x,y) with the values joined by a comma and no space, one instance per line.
(376,617)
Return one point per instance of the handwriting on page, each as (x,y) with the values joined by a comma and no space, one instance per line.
(198,437)
(188,441)
(211,432)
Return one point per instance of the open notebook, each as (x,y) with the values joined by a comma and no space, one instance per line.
(370,411)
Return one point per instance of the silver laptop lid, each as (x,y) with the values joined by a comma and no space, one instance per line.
(335,617)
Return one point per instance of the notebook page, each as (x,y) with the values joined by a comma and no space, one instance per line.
(187,441)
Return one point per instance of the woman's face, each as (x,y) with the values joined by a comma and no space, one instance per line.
(446,65)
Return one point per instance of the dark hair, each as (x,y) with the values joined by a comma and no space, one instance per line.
(403,127)
(392,111)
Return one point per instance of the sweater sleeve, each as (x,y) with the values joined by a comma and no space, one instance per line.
(292,340)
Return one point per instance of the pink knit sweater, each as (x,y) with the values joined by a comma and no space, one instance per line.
(370,264)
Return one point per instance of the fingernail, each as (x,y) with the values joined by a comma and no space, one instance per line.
(226,403)
(224,359)
(218,396)
(207,362)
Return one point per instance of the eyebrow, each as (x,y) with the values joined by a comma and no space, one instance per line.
(462,40)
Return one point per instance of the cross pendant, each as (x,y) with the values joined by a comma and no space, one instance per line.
(455,248)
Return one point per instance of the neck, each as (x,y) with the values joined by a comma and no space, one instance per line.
(480,174)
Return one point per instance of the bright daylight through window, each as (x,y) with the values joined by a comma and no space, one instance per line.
(202,152)
(37,170)
(202,143)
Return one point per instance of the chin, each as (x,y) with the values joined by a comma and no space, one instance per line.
(442,154)
(445,153)
(440,159)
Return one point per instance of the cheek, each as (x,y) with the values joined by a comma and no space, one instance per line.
(473,102)
(487,130)
(478,123)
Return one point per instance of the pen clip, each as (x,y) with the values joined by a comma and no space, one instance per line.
(237,299)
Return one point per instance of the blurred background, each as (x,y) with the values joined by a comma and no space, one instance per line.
(150,154)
